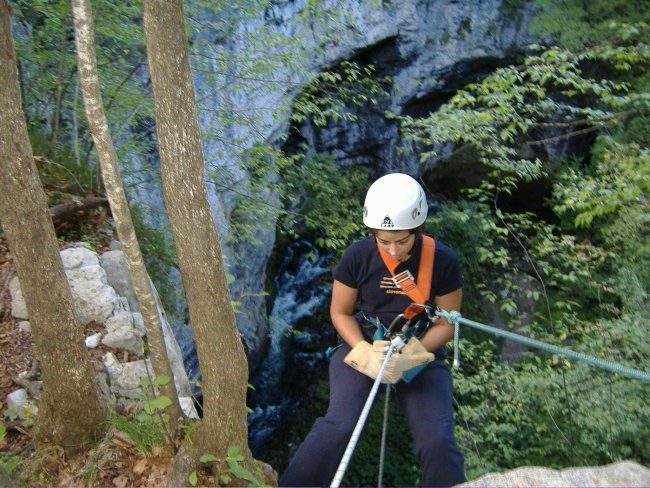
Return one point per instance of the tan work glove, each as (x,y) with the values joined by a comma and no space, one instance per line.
(393,371)
(414,354)
(367,359)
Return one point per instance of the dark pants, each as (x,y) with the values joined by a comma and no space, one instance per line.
(426,403)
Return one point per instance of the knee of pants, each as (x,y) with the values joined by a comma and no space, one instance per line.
(339,427)
(433,444)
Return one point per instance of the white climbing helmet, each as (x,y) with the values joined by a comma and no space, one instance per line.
(395,202)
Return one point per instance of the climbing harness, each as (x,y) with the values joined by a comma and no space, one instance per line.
(418,292)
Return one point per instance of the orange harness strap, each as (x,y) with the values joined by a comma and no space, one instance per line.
(419,292)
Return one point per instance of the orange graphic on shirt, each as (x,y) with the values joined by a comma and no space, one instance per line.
(390,287)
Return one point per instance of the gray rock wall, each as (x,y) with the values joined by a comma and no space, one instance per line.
(430,48)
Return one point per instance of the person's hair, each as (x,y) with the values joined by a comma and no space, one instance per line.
(417,230)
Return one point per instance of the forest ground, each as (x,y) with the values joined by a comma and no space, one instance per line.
(112,461)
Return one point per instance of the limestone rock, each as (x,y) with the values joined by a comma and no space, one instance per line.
(122,334)
(118,277)
(623,473)
(124,378)
(19,402)
(93,341)
(18,306)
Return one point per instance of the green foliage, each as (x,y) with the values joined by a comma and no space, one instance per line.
(577,25)
(9,462)
(147,429)
(233,468)
(503,112)
(314,197)
(335,94)
(519,415)
(52,102)
(144,430)
(619,179)
(322,197)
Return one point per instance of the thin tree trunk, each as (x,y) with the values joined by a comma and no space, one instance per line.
(70,411)
(89,81)
(222,361)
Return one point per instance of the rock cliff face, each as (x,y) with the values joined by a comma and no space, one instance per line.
(429,48)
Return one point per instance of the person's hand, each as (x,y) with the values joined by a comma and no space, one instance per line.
(361,358)
(393,371)
(367,359)
(414,354)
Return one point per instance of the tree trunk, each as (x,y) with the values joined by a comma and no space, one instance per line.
(222,361)
(89,81)
(70,412)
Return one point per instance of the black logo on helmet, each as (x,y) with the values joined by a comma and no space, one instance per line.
(387,222)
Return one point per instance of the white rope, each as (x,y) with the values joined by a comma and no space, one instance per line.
(354,438)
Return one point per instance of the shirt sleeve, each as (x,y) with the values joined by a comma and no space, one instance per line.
(344,271)
(448,275)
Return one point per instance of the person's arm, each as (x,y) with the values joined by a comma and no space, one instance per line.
(441,332)
(342,306)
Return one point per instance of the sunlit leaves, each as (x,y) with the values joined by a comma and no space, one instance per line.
(336,94)
(619,178)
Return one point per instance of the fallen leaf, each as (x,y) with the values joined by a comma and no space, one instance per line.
(140,466)
(121,481)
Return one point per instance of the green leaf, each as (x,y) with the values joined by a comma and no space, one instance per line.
(158,403)
(10,412)
(241,472)
(208,458)
(193,478)
(234,451)
(162,380)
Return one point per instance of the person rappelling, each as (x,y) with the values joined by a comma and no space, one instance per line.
(384,274)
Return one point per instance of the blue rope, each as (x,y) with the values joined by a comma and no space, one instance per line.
(456,318)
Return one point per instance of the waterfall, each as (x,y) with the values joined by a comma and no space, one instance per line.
(301,290)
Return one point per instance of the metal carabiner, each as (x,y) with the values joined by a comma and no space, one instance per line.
(389,331)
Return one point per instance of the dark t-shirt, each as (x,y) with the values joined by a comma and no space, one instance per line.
(362,268)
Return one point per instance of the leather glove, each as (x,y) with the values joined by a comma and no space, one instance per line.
(411,358)
(414,354)
(393,371)
(362,359)
(367,359)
